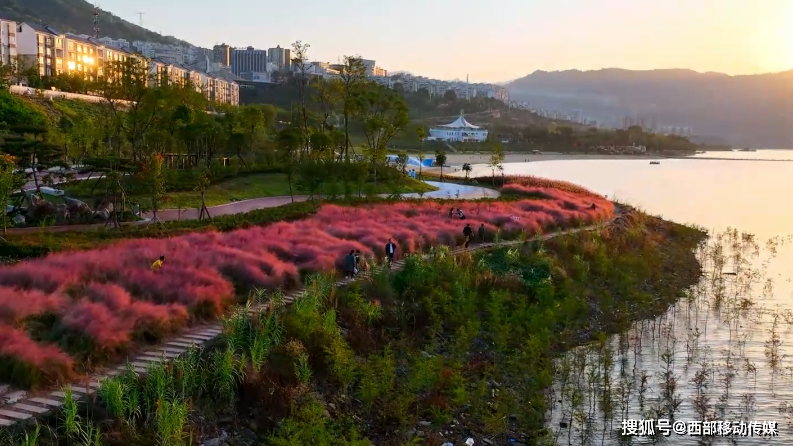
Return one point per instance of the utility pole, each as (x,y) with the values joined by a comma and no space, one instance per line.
(140,19)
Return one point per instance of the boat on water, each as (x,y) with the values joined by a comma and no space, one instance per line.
(747,150)
(655,162)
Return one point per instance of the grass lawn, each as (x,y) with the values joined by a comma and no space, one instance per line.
(243,187)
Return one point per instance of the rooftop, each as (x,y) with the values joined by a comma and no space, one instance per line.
(460,123)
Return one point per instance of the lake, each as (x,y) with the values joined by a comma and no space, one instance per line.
(716,355)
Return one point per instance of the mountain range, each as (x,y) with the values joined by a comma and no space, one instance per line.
(77,16)
(747,110)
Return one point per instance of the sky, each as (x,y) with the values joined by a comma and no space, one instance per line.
(496,40)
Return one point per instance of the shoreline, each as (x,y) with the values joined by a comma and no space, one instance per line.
(455,159)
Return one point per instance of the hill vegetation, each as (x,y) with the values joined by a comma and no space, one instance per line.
(739,110)
(76,16)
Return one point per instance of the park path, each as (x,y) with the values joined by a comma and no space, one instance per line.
(19,405)
(445,191)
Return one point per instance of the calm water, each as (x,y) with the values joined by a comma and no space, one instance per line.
(741,357)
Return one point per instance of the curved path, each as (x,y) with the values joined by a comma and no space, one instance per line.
(18,405)
(445,191)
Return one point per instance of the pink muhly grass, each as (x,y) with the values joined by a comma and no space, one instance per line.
(48,360)
(16,304)
(116,295)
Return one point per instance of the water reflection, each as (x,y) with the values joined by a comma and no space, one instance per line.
(723,352)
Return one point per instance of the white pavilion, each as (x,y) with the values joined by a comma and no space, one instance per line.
(459,130)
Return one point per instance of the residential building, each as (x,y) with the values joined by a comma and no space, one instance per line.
(281,57)
(222,54)
(78,54)
(37,44)
(372,70)
(8,41)
(248,60)
(118,43)
(213,85)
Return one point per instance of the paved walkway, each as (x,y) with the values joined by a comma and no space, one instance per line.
(445,190)
(18,405)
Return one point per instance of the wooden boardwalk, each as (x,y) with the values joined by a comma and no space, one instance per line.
(20,405)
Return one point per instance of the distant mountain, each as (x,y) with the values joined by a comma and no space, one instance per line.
(752,110)
(76,16)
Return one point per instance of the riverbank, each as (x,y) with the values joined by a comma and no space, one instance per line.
(432,351)
(459,159)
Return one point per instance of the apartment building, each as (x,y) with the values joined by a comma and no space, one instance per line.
(372,70)
(118,43)
(222,54)
(8,40)
(281,58)
(248,60)
(37,44)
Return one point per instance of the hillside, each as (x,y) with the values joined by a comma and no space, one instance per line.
(76,16)
(742,110)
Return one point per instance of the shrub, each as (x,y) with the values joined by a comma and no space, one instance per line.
(115,299)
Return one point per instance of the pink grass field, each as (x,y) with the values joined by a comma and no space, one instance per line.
(539,182)
(111,296)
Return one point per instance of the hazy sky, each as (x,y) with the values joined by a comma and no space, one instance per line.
(494,40)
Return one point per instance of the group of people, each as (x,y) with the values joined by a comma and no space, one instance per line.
(456,213)
(468,233)
(411,173)
(354,266)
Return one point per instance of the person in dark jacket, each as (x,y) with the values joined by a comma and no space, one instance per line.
(482,233)
(467,232)
(349,264)
(460,214)
(451,213)
(390,251)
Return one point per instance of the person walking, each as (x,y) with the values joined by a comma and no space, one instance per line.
(451,213)
(157,263)
(482,233)
(467,232)
(390,251)
(349,265)
(460,214)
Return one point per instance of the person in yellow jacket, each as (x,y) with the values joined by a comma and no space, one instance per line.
(157,263)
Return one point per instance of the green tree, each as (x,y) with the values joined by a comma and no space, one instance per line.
(33,153)
(440,159)
(155,183)
(251,122)
(268,114)
(401,164)
(204,181)
(450,95)
(289,142)
(383,113)
(467,170)
(301,64)
(352,78)
(421,134)
(495,160)
(133,105)
(9,182)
